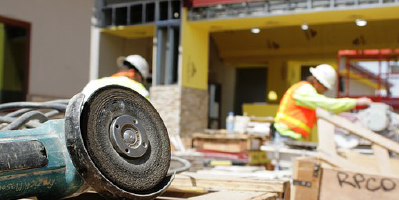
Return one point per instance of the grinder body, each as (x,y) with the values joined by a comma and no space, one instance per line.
(35,162)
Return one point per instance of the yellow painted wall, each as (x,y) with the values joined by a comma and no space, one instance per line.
(195,55)
(277,78)
(260,110)
(293,72)
(314,136)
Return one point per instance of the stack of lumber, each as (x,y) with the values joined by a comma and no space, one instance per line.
(241,147)
(188,182)
(226,142)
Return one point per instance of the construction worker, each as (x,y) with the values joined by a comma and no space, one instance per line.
(296,114)
(133,71)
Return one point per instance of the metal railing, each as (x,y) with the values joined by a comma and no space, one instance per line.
(272,7)
(127,13)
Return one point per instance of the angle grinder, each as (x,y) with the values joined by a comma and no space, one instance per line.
(111,140)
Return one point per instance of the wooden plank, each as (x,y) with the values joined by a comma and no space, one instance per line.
(341,162)
(342,184)
(382,157)
(326,137)
(236,195)
(189,180)
(304,170)
(226,143)
(358,130)
(370,161)
(287,193)
(224,136)
(220,145)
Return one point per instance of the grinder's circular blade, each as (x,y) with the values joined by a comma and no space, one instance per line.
(125,142)
(132,173)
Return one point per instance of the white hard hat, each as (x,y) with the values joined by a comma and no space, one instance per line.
(325,74)
(137,61)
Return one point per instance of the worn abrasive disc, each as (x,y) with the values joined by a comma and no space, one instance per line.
(126,138)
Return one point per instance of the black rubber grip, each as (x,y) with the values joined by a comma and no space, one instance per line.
(22,155)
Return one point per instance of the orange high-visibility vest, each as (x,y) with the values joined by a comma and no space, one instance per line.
(130,74)
(297,118)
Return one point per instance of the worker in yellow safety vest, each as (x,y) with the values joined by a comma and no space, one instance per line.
(296,114)
(133,71)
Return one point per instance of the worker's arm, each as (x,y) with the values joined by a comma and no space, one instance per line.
(308,97)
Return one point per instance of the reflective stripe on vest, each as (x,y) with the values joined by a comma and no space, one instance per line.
(297,118)
(293,121)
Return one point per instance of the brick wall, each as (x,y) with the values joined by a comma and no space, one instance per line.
(184,110)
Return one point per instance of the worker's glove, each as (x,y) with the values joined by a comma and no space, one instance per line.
(363,102)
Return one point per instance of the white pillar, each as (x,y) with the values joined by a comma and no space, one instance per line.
(94,52)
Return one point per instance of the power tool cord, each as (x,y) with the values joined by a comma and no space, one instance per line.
(26,113)
(186,165)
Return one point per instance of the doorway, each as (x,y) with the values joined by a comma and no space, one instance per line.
(251,86)
(14,59)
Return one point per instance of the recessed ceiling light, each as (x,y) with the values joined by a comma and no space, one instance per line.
(304,26)
(361,22)
(255,30)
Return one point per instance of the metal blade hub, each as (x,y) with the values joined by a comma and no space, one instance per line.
(128,137)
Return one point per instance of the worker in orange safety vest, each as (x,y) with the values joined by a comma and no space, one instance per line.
(133,71)
(296,114)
